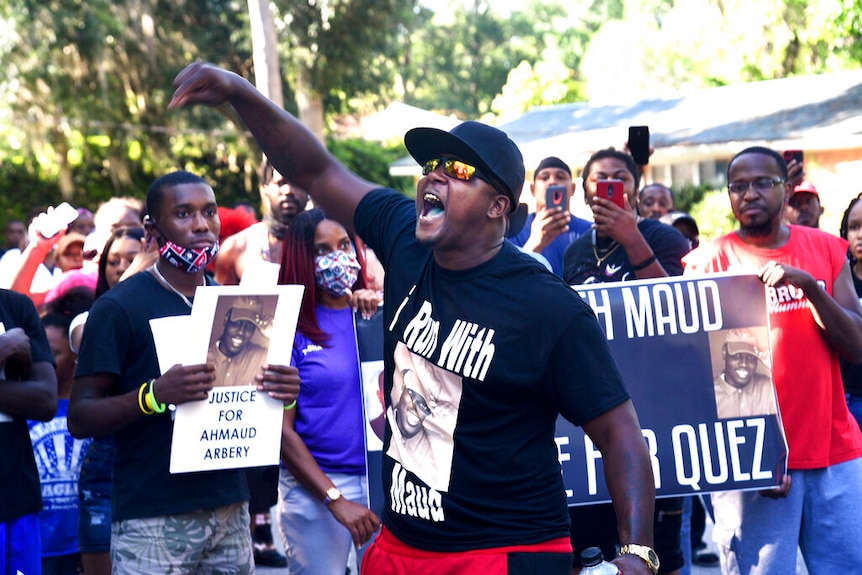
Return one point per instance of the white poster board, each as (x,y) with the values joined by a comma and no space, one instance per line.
(236,426)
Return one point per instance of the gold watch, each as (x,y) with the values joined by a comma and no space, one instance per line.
(644,552)
(332,494)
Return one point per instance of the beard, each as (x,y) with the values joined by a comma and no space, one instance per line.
(757,230)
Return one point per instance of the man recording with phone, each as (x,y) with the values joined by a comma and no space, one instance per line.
(551,228)
(621,246)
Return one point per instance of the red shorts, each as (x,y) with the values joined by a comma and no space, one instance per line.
(389,556)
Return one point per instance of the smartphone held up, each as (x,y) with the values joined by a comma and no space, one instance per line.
(611,190)
(639,144)
(555,197)
(793,155)
(56,219)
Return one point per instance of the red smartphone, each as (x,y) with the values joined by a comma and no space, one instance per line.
(611,190)
(639,144)
(555,197)
(792,155)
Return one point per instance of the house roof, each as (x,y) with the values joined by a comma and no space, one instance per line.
(817,112)
(810,112)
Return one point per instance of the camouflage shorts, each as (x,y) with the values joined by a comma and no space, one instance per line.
(213,541)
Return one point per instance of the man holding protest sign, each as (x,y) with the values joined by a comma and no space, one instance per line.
(814,316)
(162,522)
(456,286)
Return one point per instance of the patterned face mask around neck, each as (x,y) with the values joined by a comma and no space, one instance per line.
(336,272)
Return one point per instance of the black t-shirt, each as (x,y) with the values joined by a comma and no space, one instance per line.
(118,340)
(581,266)
(20,493)
(496,352)
(852,374)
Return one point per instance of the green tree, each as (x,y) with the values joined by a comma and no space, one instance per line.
(460,62)
(338,50)
(847,27)
(87,86)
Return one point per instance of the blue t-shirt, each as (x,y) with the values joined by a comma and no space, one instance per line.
(329,415)
(58,458)
(555,250)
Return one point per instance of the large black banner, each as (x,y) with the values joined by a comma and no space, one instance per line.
(694,353)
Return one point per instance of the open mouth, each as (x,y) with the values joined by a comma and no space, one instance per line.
(432,207)
(742,374)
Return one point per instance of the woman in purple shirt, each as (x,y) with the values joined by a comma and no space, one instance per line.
(323,506)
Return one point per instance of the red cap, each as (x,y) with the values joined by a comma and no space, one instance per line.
(807,187)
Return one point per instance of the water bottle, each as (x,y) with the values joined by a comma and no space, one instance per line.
(594,563)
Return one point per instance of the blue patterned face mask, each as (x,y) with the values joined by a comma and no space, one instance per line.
(336,272)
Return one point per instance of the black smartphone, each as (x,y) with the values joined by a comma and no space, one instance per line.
(611,190)
(793,155)
(555,197)
(639,144)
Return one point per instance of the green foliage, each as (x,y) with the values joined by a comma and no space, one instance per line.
(713,215)
(461,62)
(847,27)
(24,187)
(83,97)
(370,160)
(87,88)
(688,195)
(343,48)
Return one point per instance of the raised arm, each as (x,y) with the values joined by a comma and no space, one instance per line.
(294,151)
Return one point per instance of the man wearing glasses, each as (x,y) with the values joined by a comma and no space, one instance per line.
(521,346)
(814,316)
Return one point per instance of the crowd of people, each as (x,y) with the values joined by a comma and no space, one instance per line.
(475,372)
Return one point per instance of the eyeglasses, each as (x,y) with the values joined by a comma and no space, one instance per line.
(453,168)
(760,184)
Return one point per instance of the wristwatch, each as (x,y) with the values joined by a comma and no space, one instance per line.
(644,552)
(332,494)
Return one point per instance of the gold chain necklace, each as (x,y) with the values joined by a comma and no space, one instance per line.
(609,253)
(168,285)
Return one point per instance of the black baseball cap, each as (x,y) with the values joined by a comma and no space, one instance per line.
(485,147)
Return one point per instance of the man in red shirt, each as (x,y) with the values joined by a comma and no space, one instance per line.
(814,316)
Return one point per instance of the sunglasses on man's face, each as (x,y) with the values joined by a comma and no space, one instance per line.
(452,168)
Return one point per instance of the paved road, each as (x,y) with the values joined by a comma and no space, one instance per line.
(695,569)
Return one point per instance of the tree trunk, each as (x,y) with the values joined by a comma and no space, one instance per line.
(267,75)
(309,104)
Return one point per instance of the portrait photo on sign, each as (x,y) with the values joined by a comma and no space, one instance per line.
(240,337)
(742,372)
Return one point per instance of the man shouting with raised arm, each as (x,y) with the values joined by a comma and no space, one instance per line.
(463,301)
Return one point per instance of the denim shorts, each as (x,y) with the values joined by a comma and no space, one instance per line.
(94,498)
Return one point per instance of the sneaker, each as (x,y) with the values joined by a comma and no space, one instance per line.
(269,558)
(705,558)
